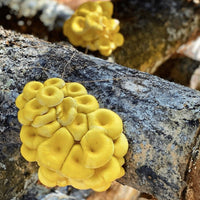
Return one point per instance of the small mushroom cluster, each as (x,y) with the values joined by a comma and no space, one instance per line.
(92,27)
(73,140)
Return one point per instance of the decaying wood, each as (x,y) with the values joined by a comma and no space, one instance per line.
(153,30)
(161,118)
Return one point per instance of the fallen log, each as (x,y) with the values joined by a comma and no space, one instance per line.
(161,119)
(153,30)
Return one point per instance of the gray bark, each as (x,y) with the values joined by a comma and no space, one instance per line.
(161,118)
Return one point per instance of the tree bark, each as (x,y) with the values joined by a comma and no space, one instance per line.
(161,119)
(153,30)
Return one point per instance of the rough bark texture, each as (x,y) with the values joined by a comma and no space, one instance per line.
(153,30)
(160,118)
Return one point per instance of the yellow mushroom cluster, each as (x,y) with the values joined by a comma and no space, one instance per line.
(92,27)
(73,141)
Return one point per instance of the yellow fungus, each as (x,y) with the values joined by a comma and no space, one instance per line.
(33,109)
(57,82)
(98,148)
(20,101)
(22,119)
(53,151)
(89,7)
(78,25)
(78,128)
(110,171)
(75,89)
(44,119)
(48,130)
(120,146)
(78,184)
(28,154)
(49,96)
(66,111)
(107,8)
(104,187)
(73,140)
(73,166)
(30,89)
(45,181)
(30,138)
(107,119)
(86,103)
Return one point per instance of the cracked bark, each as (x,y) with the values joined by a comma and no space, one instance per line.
(161,119)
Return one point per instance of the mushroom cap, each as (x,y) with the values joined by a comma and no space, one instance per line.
(30,89)
(102,188)
(67,31)
(30,138)
(44,119)
(21,117)
(107,119)
(66,111)
(27,153)
(52,152)
(50,96)
(104,46)
(93,21)
(49,129)
(96,181)
(118,39)
(45,181)
(78,25)
(57,82)
(33,108)
(110,171)
(79,127)
(98,148)
(121,161)
(120,146)
(78,184)
(107,8)
(20,101)
(89,7)
(86,103)
(53,176)
(75,89)
(73,166)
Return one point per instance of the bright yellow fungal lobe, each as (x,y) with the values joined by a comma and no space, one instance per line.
(52,152)
(107,119)
(30,89)
(78,128)
(30,138)
(92,23)
(78,184)
(57,82)
(50,96)
(120,146)
(49,129)
(45,119)
(63,129)
(66,111)
(86,103)
(22,119)
(73,166)
(98,148)
(75,89)
(33,108)
(44,180)
(20,101)
(28,154)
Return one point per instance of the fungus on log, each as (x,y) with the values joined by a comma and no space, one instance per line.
(161,119)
